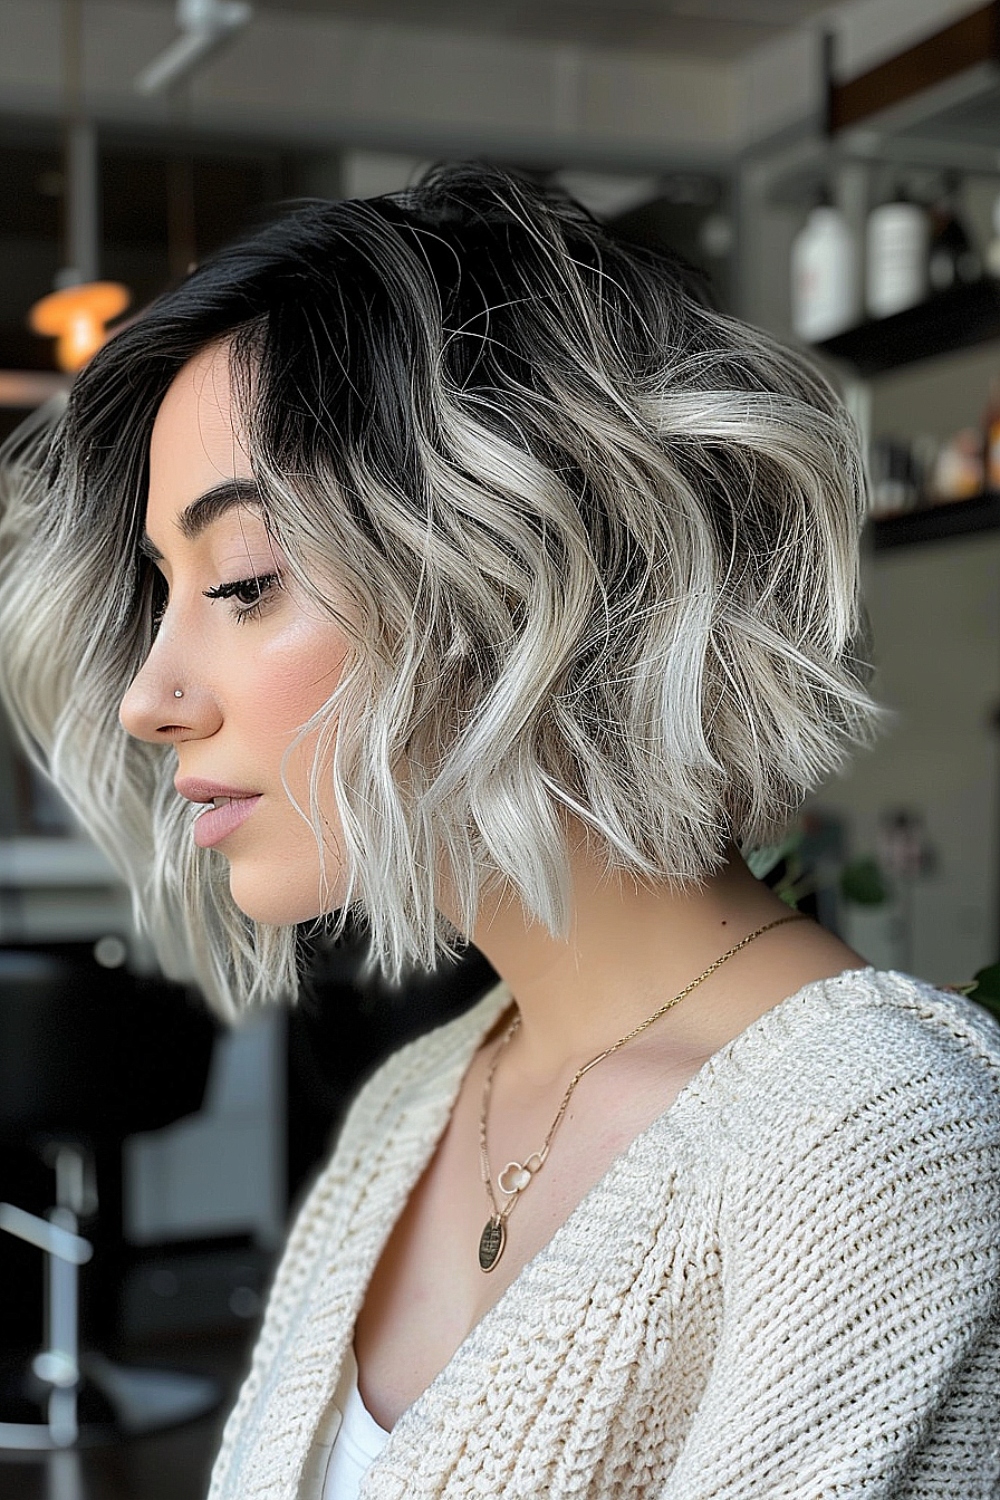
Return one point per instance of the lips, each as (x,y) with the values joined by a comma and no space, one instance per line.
(219,821)
(226,808)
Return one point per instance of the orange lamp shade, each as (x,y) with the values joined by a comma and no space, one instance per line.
(77,317)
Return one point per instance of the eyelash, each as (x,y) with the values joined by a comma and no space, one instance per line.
(259,589)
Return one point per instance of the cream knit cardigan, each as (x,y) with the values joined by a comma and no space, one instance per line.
(787,1286)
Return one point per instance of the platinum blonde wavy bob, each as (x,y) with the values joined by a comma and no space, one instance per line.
(601,544)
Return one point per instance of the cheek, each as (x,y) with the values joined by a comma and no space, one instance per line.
(294,677)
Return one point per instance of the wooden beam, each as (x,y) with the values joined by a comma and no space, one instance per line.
(973,40)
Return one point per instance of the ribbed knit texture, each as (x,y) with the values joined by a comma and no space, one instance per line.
(787,1286)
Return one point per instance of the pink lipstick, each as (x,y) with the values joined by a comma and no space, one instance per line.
(222,819)
(226,807)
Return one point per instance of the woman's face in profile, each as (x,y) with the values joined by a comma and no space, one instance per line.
(252,658)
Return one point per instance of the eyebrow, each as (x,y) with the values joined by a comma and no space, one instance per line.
(201,513)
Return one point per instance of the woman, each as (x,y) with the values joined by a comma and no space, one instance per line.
(450,562)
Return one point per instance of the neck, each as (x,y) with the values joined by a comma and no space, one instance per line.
(630,949)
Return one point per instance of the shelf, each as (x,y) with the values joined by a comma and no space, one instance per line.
(957,319)
(49,862)
(936,522)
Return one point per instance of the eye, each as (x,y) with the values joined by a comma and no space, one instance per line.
(158,600)
(248,595)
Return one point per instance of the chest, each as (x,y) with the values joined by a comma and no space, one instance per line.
(597,1353)
(428,1291)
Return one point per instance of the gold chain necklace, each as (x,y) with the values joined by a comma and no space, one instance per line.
(516,1175)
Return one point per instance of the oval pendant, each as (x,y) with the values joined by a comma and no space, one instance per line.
(491,1242)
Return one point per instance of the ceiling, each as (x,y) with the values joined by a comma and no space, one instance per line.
(705,28)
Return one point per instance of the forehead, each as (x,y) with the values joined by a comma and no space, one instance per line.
(196,440)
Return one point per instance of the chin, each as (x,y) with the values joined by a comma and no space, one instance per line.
(276,902)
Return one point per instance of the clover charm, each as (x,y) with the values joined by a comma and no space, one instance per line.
(516,1175)
(514,1178)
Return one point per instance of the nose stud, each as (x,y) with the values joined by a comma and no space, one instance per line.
(178,692)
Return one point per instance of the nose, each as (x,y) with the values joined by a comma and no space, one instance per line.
(164,704)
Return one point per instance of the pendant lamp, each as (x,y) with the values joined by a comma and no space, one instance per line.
(77,312)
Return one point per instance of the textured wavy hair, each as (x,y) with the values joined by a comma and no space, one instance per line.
(601,544)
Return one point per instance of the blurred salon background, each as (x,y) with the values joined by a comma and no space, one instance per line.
(835,169)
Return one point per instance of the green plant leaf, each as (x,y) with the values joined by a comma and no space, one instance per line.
(985,988)
(762,861)
(862,881)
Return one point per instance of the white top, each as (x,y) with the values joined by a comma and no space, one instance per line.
(352,1440)
(786,1288)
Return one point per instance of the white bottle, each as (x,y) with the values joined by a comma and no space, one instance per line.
(824,276)
(897,251)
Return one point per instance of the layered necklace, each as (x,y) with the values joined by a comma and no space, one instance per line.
(517,1175)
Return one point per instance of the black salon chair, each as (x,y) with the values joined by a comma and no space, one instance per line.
(89,1054)
(346,1023)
